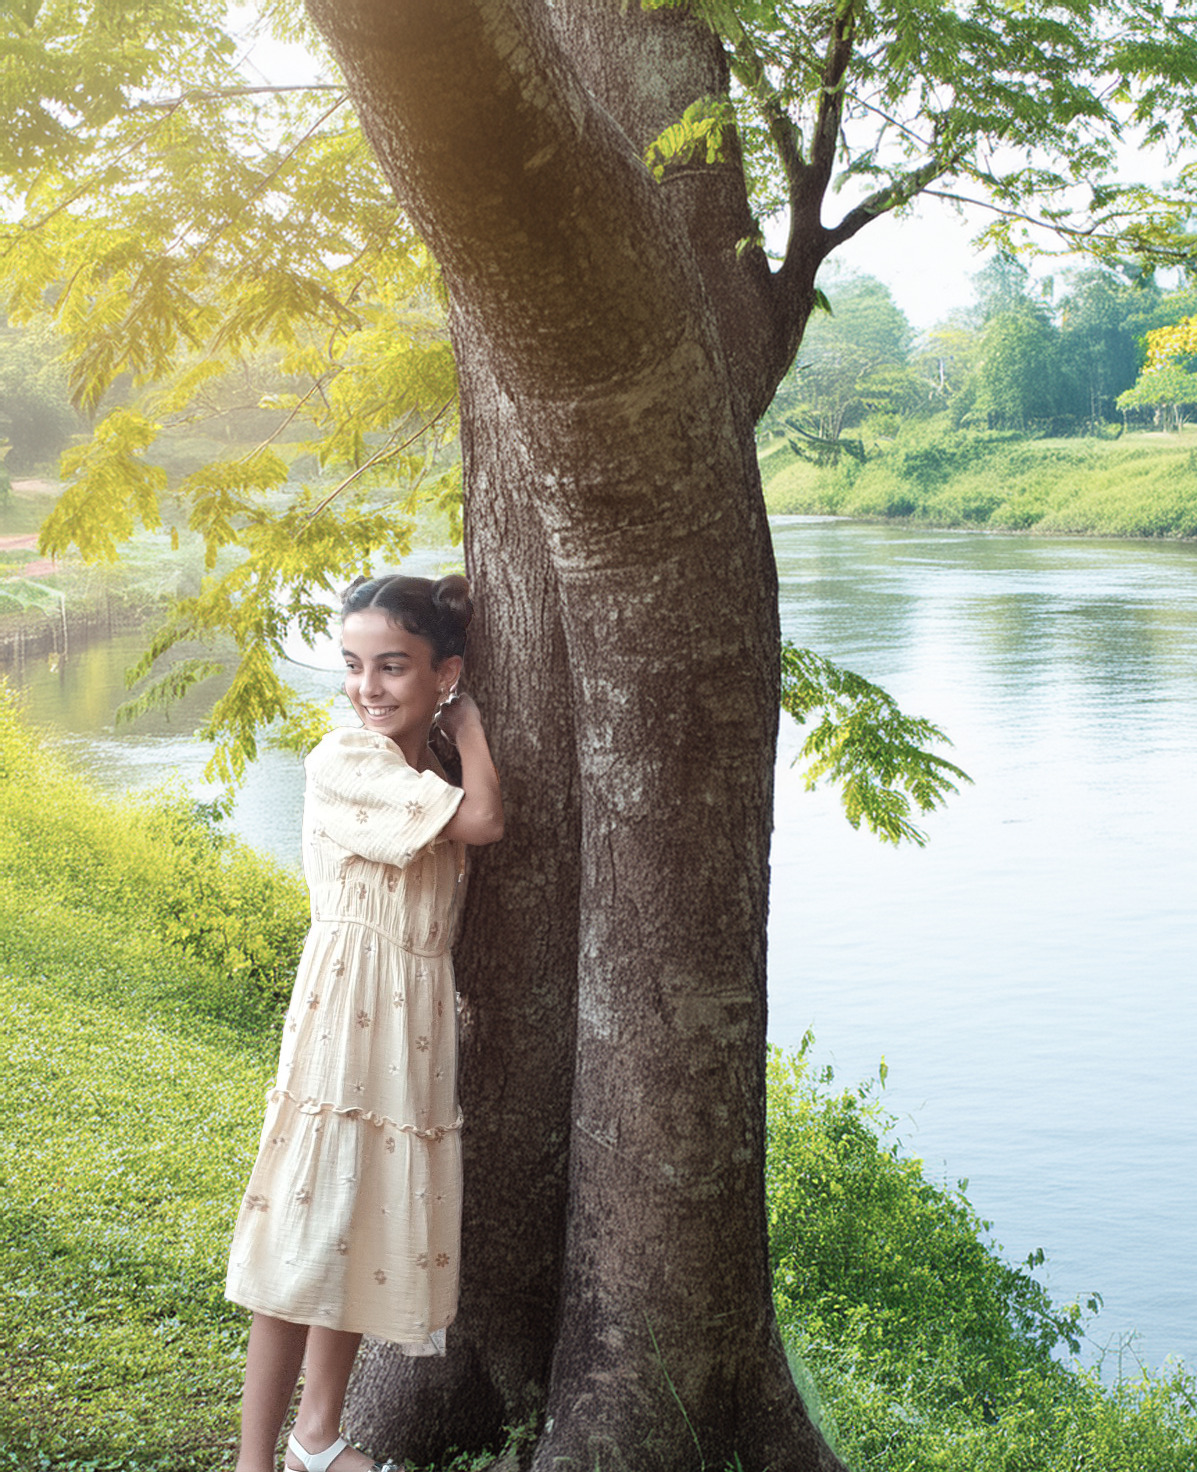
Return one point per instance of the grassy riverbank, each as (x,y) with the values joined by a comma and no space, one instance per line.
(142,968)
(1137,485)
(140,964)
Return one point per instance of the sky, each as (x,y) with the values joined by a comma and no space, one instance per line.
(926,258)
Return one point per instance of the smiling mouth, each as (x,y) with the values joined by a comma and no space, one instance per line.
(378,712)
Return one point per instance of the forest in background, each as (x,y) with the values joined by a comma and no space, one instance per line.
(1040,409)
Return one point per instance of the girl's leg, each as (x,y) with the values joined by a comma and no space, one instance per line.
(271,1370)
(330,1357)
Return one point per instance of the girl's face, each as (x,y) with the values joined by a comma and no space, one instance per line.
(391,679)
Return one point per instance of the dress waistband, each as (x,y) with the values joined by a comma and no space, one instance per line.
(387,935)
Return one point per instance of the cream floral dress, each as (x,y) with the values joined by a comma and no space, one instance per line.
(351,1218)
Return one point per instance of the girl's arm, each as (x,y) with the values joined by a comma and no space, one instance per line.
(479,815)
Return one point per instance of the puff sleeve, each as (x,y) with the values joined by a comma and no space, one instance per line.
(365,797)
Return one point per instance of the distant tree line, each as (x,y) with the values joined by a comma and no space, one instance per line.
(1025,357)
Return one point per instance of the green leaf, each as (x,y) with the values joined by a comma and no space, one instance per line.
(866,746)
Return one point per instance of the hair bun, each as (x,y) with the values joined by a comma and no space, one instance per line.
(451,596)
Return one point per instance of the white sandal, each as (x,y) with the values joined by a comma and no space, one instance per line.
(322,1461)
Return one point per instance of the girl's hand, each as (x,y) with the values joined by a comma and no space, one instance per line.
(458,715)
(479,818)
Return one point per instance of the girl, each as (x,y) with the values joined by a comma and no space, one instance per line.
(351,1220)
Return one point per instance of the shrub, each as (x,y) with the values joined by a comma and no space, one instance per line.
(149,873)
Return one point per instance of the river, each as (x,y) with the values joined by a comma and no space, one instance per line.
(1027,975)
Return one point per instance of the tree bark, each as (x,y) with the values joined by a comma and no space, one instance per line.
(516,963)
(614,349)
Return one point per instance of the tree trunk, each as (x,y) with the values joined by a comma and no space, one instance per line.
(516,963)
(614,349)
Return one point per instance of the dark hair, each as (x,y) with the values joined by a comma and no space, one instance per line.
(437,611)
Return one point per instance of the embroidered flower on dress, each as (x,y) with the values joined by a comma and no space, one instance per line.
(422,1044)
(278,1140)
(303,1197)
(390,1144)
(380,1276)
(442,1259)
(342,1246)
(313,1001)
(392,879)
(257,1203)
(363,1019)
(362,891)
(397,998)
(422,1260)
(370,946)
(362,815)
(415,809)
(338,969)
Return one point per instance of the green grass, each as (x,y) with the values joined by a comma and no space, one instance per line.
(142,965)
(140,971)
(123,1150)
(1140,485)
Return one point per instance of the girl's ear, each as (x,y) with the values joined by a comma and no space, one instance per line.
(449,671)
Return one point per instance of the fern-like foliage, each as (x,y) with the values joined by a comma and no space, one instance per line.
(865,745)
(224,266)
(698,136)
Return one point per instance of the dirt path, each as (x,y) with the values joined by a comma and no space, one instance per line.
(26,541)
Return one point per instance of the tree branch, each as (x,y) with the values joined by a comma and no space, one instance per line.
(222,94)
(831,98)
(749,70)
(794,283)
(892,197)
(388,451)
(1095,233)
